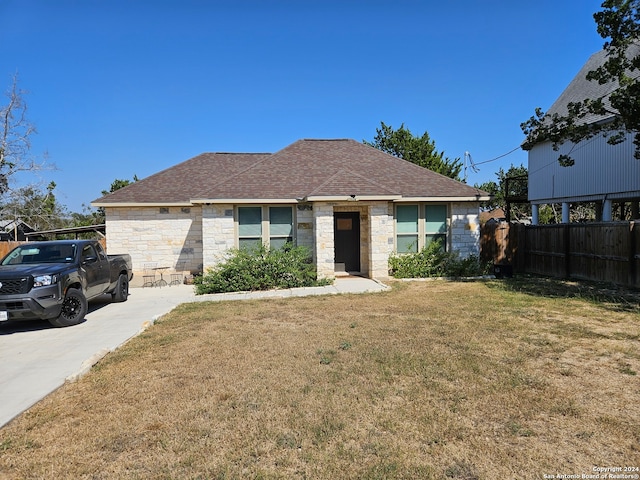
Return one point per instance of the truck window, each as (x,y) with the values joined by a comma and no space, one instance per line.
(88,251)
(101,251)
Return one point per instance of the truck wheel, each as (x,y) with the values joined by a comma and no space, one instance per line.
(74,308)
(121,291)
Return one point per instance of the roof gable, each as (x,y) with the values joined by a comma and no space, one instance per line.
(580,88)
(306,168)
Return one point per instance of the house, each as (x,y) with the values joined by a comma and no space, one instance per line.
(351,204)
(14,230)
(496,215)
(602,173)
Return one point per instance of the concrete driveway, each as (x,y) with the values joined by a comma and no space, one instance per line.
(36,358)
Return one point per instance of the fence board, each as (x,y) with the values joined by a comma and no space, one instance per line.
(607,252)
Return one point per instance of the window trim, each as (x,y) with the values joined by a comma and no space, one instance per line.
(265,223)
(422,225)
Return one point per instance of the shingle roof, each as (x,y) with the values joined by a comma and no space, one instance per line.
(580,88)
(306,168)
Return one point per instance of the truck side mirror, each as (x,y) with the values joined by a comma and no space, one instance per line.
(90,259)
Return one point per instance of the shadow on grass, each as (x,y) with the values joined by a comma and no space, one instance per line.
(612,296)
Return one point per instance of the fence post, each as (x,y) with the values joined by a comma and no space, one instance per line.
(567,251)
(632,254)
(518,258)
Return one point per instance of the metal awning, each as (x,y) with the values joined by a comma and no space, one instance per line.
(99,229)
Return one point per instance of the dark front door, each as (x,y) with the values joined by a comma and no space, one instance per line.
(346,226)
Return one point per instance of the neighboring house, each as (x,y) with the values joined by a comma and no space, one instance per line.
(496,215)
(351,204)
(14,230)
(602,173)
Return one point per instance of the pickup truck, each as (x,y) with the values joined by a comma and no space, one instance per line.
(54,280)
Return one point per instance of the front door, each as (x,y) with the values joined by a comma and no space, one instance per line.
(346,226)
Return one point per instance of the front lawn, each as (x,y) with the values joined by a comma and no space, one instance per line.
(445,380)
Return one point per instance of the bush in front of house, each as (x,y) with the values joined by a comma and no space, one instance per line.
(260,268)
(434,261)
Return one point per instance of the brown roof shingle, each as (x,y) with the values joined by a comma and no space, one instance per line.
(304,168)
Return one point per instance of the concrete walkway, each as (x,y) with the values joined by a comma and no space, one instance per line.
(36,359)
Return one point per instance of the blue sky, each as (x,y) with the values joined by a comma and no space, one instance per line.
(120,88)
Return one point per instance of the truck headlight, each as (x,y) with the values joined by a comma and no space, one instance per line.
(44,280)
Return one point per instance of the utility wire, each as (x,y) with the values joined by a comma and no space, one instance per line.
(498,157)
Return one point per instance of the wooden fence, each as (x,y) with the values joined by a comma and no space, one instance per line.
(607,252)
(6,247)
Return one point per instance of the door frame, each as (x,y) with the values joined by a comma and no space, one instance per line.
(351,251)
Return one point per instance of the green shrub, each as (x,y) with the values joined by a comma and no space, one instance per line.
(260,269)
(433,261)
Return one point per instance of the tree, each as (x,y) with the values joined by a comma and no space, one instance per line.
(27,203)
(38,209)
(619,21)
(15,144)
(511,184)
(97,217)
(117,184)
(422,151)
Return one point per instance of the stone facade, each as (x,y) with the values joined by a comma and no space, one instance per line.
(218,233)
(381,238)
(163,235)
(465,229)
(323,251)
(200,236)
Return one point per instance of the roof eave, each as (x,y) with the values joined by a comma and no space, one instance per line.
(235,201)
(352,198)
(140,204)
(474,198)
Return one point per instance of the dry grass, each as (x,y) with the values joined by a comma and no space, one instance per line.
(429,380)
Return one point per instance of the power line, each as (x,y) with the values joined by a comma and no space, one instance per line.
(498,157)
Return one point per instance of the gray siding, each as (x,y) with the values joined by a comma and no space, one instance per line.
(600,169)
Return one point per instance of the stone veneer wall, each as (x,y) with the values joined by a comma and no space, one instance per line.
(164,235)
(381,238)
(465,228)
(323,250)
(376,237)
(218,233)
(304,222)
(201,236)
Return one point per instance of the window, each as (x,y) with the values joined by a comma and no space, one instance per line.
(249,227)
(280,226)
(88,252)
(435,226)
(407,228)
(269,225)
(419,225)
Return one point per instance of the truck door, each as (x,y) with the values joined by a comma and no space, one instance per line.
(96,271)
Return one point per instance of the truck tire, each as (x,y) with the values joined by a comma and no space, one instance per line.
(74,309)
(121,292)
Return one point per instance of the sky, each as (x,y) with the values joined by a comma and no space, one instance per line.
(124,88)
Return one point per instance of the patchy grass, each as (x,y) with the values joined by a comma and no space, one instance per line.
(430,380)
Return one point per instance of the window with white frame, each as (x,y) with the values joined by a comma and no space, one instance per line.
(271,225)
(435,224)
(407,228)
(417,225)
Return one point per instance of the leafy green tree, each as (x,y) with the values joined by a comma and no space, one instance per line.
(422,151)
(117,184)
(511,184)
(619,22)
(40,209)
(89,216)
